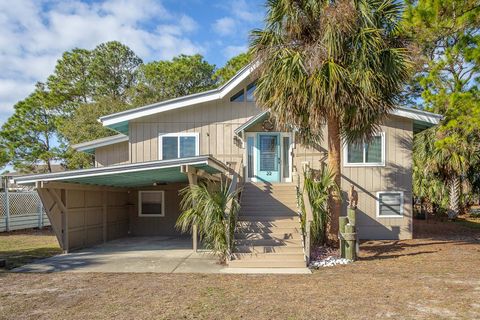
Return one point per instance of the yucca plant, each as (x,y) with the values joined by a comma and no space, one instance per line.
(319,184)
(213,208)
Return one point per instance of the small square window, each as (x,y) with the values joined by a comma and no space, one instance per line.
(151,203)
(390,204)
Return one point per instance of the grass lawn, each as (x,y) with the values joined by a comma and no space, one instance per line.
(24,246)
(435,276)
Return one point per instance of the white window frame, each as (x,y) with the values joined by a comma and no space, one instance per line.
(178,135)
(140,214)
(365,164)
(402,204)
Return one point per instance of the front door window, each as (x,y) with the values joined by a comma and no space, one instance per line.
(268,157)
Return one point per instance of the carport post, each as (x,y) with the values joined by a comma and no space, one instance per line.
(192,180)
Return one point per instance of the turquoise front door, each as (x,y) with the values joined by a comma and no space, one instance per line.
(268,157)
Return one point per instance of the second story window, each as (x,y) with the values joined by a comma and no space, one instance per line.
(238,97)
(250,90)
(370,153)
(178,145)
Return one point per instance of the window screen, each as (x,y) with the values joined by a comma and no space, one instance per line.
(179,146)
(390,204)
(366,153)
(286,158)
(187,147)
(169,148)
(250,148)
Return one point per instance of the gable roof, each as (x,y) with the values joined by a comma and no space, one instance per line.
(119,121)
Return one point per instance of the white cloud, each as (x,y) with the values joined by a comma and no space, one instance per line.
(246,12)
(241,17)
(224,26)
(232,51)
(34,34)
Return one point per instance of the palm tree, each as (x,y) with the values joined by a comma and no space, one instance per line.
(334,62)
(213,208)
(447,156)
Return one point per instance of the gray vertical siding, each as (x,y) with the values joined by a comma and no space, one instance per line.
(112,155)
(157,226)
(215,123)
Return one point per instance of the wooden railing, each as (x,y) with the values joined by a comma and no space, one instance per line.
(235,186)
(308,215)
(308,225)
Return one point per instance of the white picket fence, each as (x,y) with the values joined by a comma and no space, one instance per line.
(21,210)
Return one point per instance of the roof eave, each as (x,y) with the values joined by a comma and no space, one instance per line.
(119,169)
(90,146)
(180,102)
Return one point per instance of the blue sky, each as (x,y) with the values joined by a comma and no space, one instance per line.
(34,33)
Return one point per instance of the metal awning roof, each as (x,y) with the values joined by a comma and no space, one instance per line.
(131,175)
(90,146)
(421,119)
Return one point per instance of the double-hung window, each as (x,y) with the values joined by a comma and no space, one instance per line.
(178,145)
(390,204)
(370,153)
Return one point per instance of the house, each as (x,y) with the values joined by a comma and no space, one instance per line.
(160,148)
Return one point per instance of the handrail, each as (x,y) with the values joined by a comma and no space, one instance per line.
(308,215)
(235,186)
(308,223)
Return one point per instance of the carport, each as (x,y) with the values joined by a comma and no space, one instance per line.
(132,254)
(94,206)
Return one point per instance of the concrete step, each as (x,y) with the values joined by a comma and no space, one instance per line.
(269,249)
(268,242)
(296,256)
(264,263)
(273,236)
(252,228)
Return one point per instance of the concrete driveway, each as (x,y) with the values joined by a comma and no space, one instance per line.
(135,254)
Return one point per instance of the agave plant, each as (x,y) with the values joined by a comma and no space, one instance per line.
(319,184)
(213,208)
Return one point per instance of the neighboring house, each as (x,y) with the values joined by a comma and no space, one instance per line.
(161,147)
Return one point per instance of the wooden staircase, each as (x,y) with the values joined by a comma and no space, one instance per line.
(268,232)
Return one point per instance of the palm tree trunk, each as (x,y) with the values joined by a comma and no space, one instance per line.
(335,203)
(454,197)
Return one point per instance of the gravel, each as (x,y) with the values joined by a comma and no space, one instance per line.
(328,262)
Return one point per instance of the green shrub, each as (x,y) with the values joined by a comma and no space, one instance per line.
(318,184)
(206,205)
